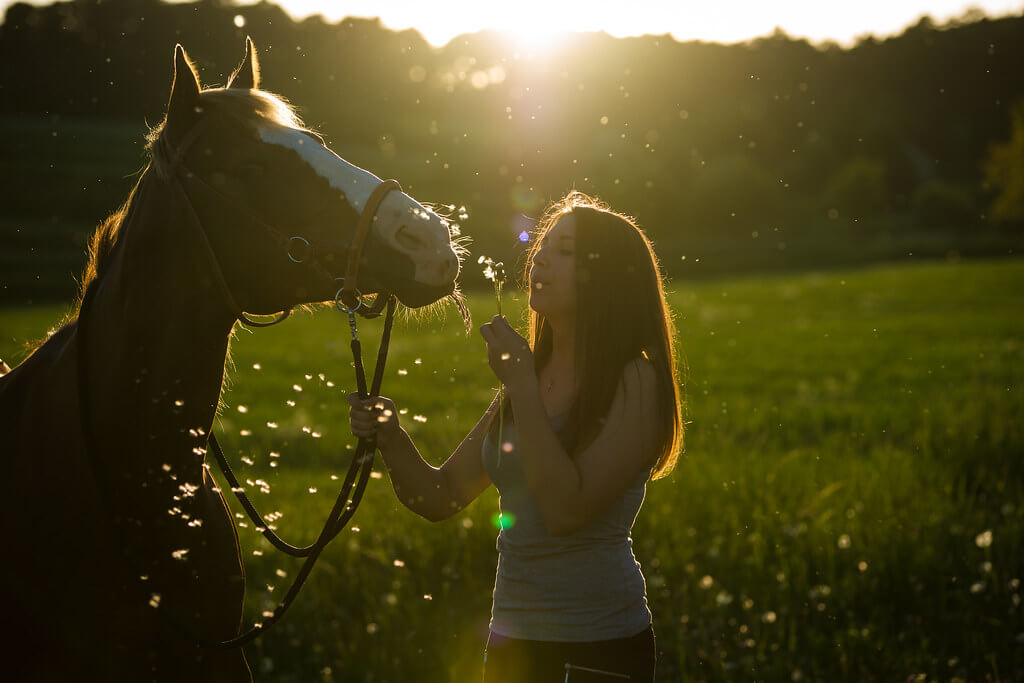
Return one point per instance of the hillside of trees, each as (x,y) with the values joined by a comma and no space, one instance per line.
(769,154)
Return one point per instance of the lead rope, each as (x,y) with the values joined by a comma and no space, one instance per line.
(363,445)
(336,520)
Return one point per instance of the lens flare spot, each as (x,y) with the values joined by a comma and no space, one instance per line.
(503,520)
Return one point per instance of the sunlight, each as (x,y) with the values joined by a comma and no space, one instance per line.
(538,25)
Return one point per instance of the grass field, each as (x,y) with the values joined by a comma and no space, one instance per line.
(850,507)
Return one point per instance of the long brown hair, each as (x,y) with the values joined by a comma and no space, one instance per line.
(621,315)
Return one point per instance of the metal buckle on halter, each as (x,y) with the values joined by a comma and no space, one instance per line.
(340,304)
(304,256)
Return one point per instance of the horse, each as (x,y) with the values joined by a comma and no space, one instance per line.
(118,568)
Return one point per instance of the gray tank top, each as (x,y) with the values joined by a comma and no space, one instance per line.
(581,587)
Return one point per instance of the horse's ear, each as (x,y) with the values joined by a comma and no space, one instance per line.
(185,89)
(247,75)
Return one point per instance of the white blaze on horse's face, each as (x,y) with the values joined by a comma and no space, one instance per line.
(402,222)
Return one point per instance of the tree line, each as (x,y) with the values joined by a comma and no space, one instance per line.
(764,154)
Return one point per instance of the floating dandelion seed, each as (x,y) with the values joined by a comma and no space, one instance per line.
(418,361)
(272,425)
(257,553)
(844,541)
(420,418)
(315,435)
(244,432)
(403,371)
(312,489)
(247,460)
(257,366)
(290,404)
(768,617)
(242,409)
(984,539)
(706,582)
(180,554)
(428,596)
(296,387)
(154,600)
(403,411)
(398,563)
(280,572)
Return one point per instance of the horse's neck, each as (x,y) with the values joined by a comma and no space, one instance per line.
(156,335)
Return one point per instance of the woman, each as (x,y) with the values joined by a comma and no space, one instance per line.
(591,413)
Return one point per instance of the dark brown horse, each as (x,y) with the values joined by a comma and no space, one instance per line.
(240,209)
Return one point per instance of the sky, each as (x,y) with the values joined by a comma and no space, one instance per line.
(535,23)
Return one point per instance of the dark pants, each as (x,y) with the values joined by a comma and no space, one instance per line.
(510,660)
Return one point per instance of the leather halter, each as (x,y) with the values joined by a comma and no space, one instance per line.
(348,298)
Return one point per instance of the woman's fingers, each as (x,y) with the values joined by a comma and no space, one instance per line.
(369,416)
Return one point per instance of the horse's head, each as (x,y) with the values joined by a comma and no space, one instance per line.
(280,209)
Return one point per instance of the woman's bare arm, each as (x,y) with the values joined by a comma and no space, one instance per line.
(434,493)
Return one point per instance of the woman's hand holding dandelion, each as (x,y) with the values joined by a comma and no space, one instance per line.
(508,353)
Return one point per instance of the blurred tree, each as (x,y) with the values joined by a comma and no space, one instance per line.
(1004,172)
(943,205)
(858,189)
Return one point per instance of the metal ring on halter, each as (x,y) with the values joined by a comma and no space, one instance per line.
(305,241)
(340,305)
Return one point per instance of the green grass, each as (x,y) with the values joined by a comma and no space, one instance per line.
(853,435)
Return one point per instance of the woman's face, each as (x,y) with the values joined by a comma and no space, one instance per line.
(553,271)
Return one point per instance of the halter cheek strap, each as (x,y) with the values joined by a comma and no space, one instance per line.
(349,294)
